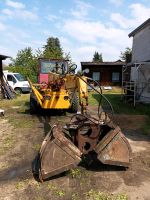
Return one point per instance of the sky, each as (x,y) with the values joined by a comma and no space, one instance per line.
(82,26)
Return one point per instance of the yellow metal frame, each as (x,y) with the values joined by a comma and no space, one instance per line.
(61,100)
(56,100)
(51,100)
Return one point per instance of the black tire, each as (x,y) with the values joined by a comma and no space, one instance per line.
(18,90)
(74,106)
(33,104)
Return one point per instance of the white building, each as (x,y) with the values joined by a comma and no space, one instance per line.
(136,75)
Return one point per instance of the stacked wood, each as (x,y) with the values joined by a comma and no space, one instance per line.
(5,90)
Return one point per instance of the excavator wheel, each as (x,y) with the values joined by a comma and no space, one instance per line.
(33,104)
(74,106)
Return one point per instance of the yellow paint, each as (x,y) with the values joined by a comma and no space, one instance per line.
(56,101)
(36,92)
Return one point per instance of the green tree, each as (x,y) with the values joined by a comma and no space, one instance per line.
(26,63)
(97,57)
(126,55)
(53,49)
(67,56)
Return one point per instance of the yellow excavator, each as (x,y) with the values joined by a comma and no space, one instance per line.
(85,136)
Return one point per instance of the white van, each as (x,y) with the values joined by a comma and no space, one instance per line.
(17,82)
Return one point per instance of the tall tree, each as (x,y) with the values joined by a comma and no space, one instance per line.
(126,55)
(53,49)
(97,57)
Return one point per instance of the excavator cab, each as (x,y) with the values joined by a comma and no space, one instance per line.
(47,66)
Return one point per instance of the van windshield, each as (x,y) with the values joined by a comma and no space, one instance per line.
(19,77)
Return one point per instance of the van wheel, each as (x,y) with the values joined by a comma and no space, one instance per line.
(18,90)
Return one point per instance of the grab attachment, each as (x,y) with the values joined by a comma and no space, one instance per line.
(57,154)
(114,149)
(64,149)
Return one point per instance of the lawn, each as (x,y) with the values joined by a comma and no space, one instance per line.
(120,107)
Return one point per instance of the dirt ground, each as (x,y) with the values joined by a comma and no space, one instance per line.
(20,138)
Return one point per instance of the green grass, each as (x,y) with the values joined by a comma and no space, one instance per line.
(37,147)
(78,173)
(7,144)
(20,101)
(56,191)
(120,107)
(20,122)
(16,110)
(96,195)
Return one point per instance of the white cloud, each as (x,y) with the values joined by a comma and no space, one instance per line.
(138,14)
(38,43)
(17,10)
(122,21)
(52,17)
(89,32)
(21,34)
(15,4)
(27,15)
(117,2)
(84,31)
(2,27)
(65,41)
(7,12)
(47,32)
(20,14)
(5,50)
(81,10)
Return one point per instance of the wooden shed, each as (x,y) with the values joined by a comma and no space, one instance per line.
(106,73)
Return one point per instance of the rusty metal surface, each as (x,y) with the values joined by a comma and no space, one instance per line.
(87,137)
(57,155)
(62,151)
(114,149)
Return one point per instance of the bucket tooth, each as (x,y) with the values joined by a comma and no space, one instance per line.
(57,154)
(114,149)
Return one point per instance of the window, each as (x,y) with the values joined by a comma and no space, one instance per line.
(11,78)
(96,76)
(115,77)
(59,67)
(19,77)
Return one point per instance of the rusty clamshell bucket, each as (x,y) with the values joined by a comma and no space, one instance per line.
(60,152)
(57,154)
(114,149)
